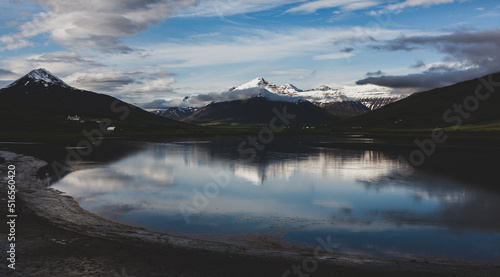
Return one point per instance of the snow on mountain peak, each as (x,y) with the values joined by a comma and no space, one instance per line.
(372,96)
(40,75)
(257,82)
(288,88)
(323,88)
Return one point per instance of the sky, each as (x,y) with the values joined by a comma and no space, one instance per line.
(145,50)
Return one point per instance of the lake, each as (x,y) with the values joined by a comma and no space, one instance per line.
(358,201)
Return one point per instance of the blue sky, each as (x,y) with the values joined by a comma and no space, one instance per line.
(141,50)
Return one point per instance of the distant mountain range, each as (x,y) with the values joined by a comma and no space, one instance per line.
(40,100)
(372,96)
(341,103)
(175,113)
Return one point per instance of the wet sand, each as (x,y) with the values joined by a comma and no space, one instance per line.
(56,237)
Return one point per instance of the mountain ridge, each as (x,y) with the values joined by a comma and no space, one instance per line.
(41,100)
(259,111)
(371,96)
(438,108)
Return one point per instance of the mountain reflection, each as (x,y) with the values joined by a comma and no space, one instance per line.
(307,189)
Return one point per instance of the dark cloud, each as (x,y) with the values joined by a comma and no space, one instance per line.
(418,64)
(117,48)
(227,95)
(431,78)
(102,82)
(166,74)
(6,73)
(376,73)
(354,40)
(157,104)
(199,100)
(469,54)
(347,50)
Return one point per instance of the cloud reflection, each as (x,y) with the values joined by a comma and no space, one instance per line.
(316,189)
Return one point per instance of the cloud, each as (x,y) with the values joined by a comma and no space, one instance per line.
(150,88)
(418,64)
(416,3)
(489,14)
(63,57)
(253,46)
(6,73)
(199,100)
(469,54)
(222,8)
(428,79)
(100,25)
(13,42)
(88,74)
(376,73)
(129,85)
(60,63)
(289,72)
(157,104)
(100,80)
(334,56)
(203,99)
(347,5)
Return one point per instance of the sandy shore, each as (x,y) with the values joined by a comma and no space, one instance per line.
(56,237)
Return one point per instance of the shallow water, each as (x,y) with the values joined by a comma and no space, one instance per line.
(360,202)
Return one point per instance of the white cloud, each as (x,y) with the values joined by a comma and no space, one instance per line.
(151,88)
(348,5)
(361,5)
(60,63)
(221,8)
(254,46)
(288,72)
(85,73)
(13,42)
(96,24)
(334,56)
(416,3)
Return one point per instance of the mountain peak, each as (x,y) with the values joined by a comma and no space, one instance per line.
(323,88)
(289,88)
(40,75)
(257,82)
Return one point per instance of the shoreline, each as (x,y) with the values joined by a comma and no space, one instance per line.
(63,212)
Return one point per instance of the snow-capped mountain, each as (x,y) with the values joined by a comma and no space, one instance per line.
(371,96)
(42,101)
(287,89)
(175,113)
(40,75)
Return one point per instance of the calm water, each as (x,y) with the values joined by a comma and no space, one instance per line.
(298,194)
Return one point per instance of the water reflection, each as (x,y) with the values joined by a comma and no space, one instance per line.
(357,197)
